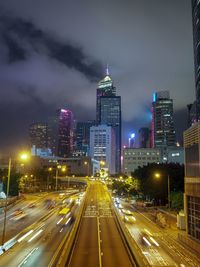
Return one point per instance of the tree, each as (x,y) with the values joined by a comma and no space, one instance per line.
(155,188)
(177,200)
(14,184)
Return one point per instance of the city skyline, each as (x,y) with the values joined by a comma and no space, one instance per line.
(38,77)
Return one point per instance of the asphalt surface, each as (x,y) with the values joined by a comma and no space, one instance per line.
(39,247)
(169,252)
(99,242)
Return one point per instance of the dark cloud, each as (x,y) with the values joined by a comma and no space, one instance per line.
(52,55)
(20,36)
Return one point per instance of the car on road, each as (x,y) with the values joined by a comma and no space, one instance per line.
(129,219)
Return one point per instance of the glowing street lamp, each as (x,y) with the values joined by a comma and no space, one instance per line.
(24,156)
(63,169)
(87,165)
(157,175)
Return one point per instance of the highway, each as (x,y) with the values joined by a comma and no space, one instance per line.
(38,244)
(32,209)
(98,242)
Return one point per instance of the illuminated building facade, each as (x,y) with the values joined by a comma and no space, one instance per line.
(65,133)
(38,135)
(192,181)
(194,109)
(102,146)
(139,157)
(108,112)
(163,131)
(83,136)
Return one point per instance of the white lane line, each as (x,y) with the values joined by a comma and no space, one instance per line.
(99,243)
(24,236)
(26,258)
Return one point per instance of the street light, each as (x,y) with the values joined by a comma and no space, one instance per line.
(87,164)
(157,175)
(63,169)
(24,157)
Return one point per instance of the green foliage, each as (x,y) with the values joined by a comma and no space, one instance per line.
(177,200)
(14,184)
(129,187)
(156,188)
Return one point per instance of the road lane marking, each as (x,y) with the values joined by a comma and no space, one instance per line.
(99,242)
(26,258)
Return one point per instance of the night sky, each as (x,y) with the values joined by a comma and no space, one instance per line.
(53,53)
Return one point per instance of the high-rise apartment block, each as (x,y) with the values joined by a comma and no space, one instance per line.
(163,131)
(108,112)
(102,146)
(38,135)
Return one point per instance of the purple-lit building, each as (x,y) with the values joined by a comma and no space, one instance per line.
(65,133)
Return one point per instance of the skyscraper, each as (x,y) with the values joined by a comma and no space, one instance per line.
(194,109)
(196,37)
(163,132)
(108,112)
(144,137)
(83,136)
(38,135)
(192,181)
(102,146)
(61,133)
(105,88)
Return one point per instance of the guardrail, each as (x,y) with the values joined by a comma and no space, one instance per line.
(67,243)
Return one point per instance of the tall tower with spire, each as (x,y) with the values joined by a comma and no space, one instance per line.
(108,112)
(105,88)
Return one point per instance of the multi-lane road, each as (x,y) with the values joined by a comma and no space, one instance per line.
(99,242)
(43,234)
(38,243)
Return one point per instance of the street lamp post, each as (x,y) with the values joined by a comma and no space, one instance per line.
(87,164)
(5,209)
(168,189)
(23,157)
(157,175)
(63,169)
(58,167)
